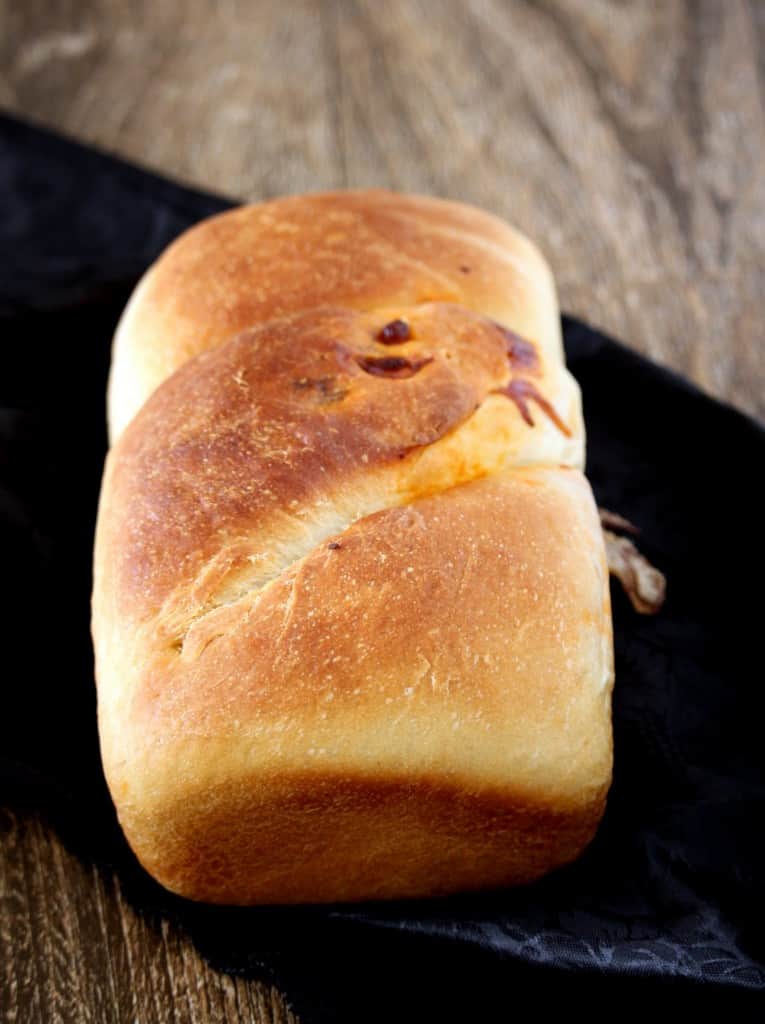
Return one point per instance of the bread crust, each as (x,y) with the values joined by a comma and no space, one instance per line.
(362,250)
(351,609)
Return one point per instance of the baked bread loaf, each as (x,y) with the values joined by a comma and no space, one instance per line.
(351,609)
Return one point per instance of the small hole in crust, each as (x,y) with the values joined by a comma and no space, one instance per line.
(394,333)
(395,367)
(323,389)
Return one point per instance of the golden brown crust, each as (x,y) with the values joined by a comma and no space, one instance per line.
(370,838)
(261,433)
(351,609)
(362,250)
(463,638)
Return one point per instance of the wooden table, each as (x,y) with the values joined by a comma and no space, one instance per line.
(628,138)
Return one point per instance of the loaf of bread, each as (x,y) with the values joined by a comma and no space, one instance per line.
(351,610)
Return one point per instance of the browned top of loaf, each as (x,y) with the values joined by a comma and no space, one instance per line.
(361,250)
(247,448)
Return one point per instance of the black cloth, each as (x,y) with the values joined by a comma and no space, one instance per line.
(668,899)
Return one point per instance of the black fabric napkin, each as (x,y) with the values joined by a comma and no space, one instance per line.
(669,898)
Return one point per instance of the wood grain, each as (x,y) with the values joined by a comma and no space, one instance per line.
(73,949)
(628,138)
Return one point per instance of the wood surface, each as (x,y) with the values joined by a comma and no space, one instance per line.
(627,138)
